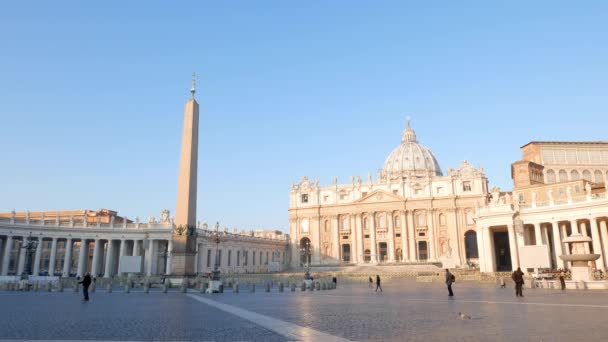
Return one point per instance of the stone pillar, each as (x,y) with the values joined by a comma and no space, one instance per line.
(67,258)
(537,234)
(107,273)
(489,249)
(431,231)
(604,235)
(481,248)
(372,237)
(81,257)
(136,248)
(411,235)
(316,239)
(354,251)
(169,249)
(336,239)
(53,257)
(565,248)
(513,247)
(391,237)
(21,261)
(37,257)
(574,228)
(8,246)
(583,228)
(360,238)
(557,244)
(404,249)
(122,251)
(597,247)
(151,254)
(96,255)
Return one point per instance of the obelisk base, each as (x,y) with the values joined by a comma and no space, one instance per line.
(182,264)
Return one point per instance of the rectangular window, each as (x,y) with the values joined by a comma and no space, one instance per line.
(238,258)
(260,257)
(304,198)
(367,236)
(398,235)
(466,186)
(208,258)
(345,237)
(229,257)
(439,190)
(325,198)
(253,259)
(266,263)
(396,192)
(421,234)
(219,257)
(246,257)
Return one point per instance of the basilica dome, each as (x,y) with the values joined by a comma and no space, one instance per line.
(410,159)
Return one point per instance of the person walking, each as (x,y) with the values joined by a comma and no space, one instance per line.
(86,282)
(562,280)
(371,283)
(449,279)
(378,283)
(518,278)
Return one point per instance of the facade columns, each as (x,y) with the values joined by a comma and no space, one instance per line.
(150,257)
(354,250)
(336,225)
(404,249)
(513,247)
(359,232)
(372,238)
(565,248)
(537,234)
(583,228)
(489,250)
(8,246)
(604,235)
(37,257)
(81,257)
(391,236)
(67,258)
(431,231)
(316,237)
(21,263)
(597,247)
(169,259)
(107,273)
(557,244)
(136,248)
(411,235)
(53,257)
(122,251)
(574,228)
(96,255)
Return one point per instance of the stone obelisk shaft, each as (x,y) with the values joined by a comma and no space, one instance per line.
(184,245)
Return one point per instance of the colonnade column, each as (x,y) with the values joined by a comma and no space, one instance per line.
(431,231)
(53,257)
(96,252)
(537,234)
(67,259)
(489,244)
(513,247)
(574,228)
(359,230)
(411,235)
(404,249)
(597,247)
(21,264)
(565,248)
(354,248)
(391,237)
(121,252)
(372,237)
(107,272)
(37,258)
(8,246)
(583,229)
(136,248)
(81,257)
(169,259)
(604,234)
(150,256)
(557,244)
(336,230)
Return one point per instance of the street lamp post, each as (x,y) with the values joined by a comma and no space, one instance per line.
(305,251)
(30,247)
(216,237)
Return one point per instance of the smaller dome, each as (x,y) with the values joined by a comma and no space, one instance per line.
(411,158)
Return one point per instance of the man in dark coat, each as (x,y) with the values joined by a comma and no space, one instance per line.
(378,283)
(86,281)
(449,279)
(518,278)
(562,280)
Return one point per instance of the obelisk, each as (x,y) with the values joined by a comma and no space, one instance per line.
(184,238)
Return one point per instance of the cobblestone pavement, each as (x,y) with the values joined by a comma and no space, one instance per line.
(405,311)
(410,311)
(119,316)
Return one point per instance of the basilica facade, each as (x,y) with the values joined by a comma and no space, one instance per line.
(412,212)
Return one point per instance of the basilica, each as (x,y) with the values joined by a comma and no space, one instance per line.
(412,212)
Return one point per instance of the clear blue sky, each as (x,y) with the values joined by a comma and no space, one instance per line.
(92,95)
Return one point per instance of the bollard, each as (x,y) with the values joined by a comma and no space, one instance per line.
(36,286)
(252,287)
(281,287)
(127,288)
(49,287)
(165,287)
(183,288)
(236,288)
(293,287)
(303,287)
(146,288)
(318,286)
(109,288)
(323,286)
(201,287)
(267,287)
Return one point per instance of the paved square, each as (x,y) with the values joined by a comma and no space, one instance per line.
(405,311)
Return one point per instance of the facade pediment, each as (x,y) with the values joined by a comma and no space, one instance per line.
(379,196)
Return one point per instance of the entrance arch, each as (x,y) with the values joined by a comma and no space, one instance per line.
(367,255)
(398,254)
(305,251)
(346,253)
(383,249)
(470,245)
(422,251)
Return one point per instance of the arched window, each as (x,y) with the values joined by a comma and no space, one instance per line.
(345,223)
(470,244)
(397,221)
(326,226)
(563,176)
(550,176)
(304,226)
(442,220)
(587,175)
(381,220)
(574,175)
(598,177)
(365,223)
(421,219)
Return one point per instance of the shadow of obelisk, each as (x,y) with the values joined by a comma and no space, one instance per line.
(183,254)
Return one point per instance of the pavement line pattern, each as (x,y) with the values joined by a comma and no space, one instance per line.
(482,301)
(291,331)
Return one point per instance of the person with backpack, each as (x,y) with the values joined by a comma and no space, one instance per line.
(86,282)
(449,280)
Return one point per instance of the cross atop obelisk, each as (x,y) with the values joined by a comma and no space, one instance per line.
(184,240)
